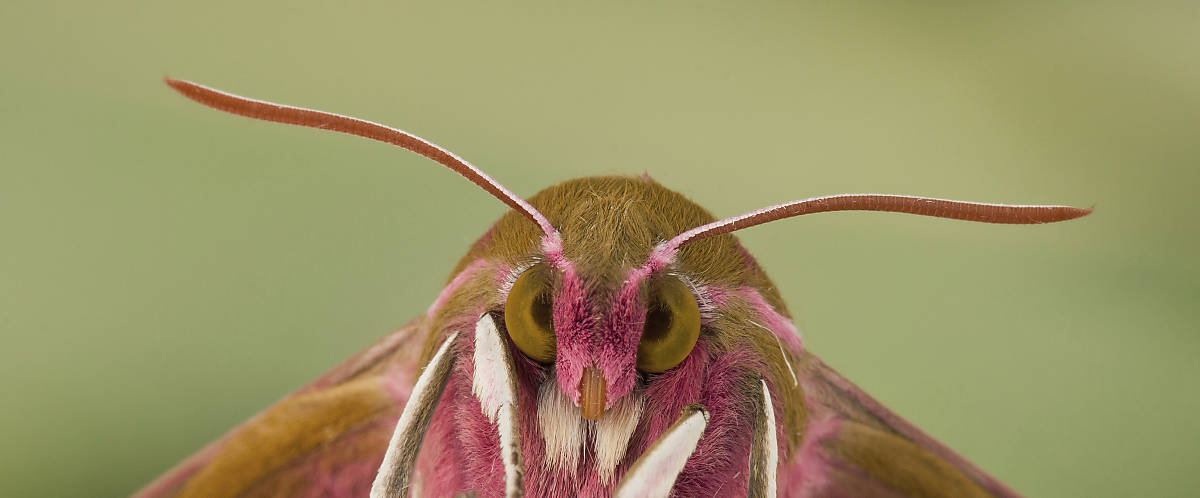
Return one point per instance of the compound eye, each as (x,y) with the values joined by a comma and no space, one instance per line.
(672,327)
(528,316)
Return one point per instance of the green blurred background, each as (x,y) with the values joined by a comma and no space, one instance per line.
(168,270)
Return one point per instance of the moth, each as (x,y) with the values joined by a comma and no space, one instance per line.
(605,337)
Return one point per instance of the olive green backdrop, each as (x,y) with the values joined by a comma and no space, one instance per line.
(167,270)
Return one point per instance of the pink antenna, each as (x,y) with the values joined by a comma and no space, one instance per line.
(267,111)
(924,206)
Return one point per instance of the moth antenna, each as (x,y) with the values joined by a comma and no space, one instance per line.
(924,206)
(267,111)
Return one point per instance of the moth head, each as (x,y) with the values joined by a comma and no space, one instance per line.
(605,291)
(584,302)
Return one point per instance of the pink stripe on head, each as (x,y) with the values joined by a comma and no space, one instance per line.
(552,247)
(625,320)
(711,300)
(574,322)
(661,257)
(454,284)
(506,277)
(777,323)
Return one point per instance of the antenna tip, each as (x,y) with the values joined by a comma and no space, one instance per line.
(1079,212)
(1048,214)
(177,85)
(193,91)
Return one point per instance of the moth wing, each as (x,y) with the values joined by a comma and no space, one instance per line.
(328,437)
(854,446)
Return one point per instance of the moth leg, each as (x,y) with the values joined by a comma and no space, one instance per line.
(654,473)
(395,473)
(764,449)
(495,385)
(867,461)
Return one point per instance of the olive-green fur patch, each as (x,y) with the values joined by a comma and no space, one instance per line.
(609,225)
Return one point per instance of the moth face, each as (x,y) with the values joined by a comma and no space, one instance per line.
(600,342)
(591,303)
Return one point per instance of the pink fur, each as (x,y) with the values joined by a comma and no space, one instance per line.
(662,256)
(350,481)
(438,469)
(461,449)
(808,471)
(712,299)
(553,249)
(721,459)
(575,326)
(399,384)
(669,394)
(777,323)
(609,343)
(330,477)
(618,345)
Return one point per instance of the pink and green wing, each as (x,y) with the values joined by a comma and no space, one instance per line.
(854,446)
(326,439)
